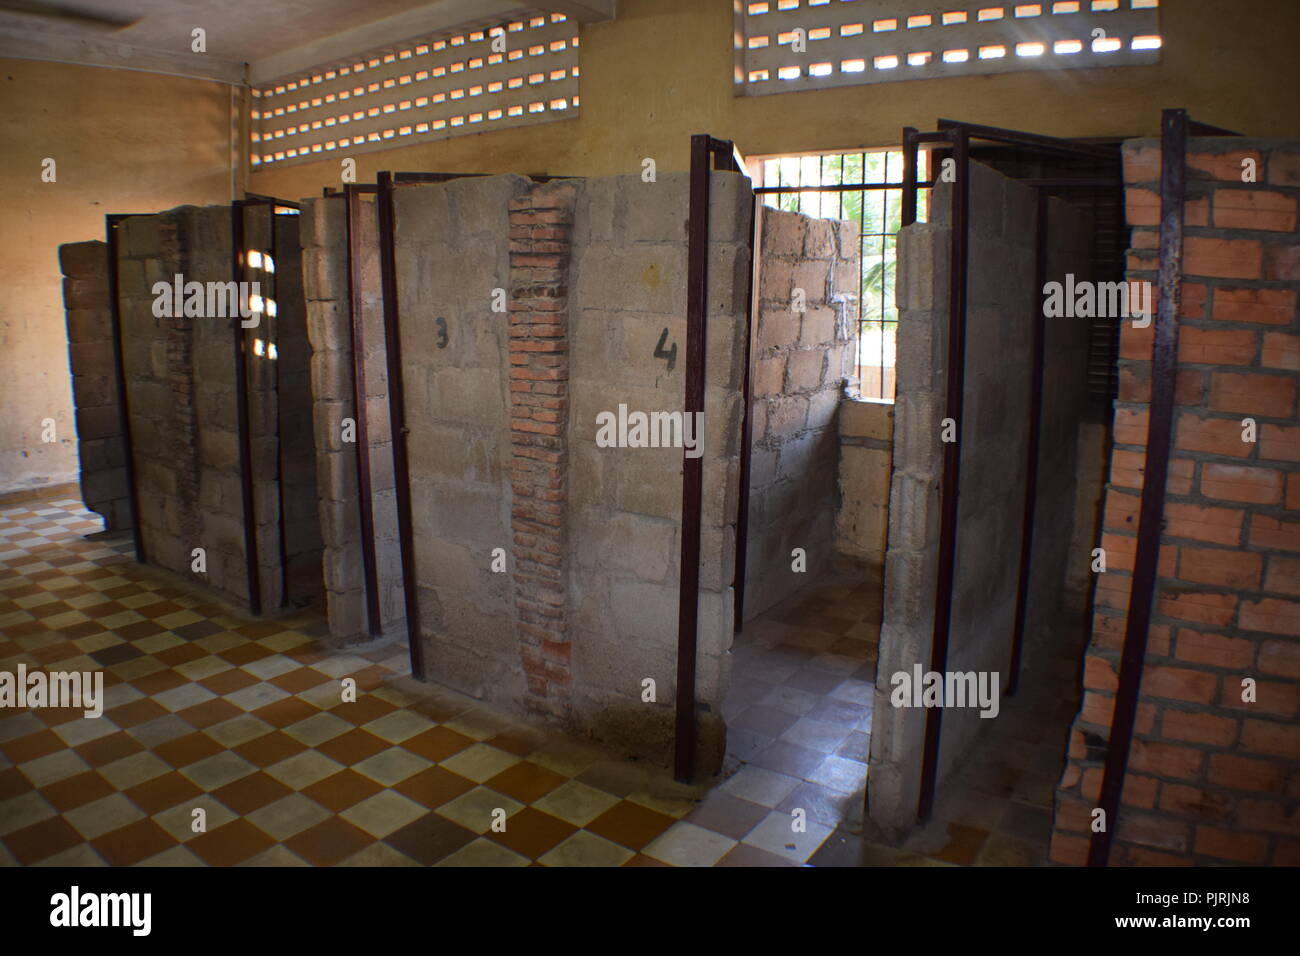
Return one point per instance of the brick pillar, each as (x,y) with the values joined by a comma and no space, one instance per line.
(539,405)
(1208,773)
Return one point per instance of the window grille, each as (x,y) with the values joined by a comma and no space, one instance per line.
(518,72)
(867,187)
(784,45)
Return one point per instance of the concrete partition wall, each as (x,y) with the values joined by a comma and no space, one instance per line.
(1002,303)
(803,351)
(628,302)
(180,386)
(452,253)
(180,383)
(329,326)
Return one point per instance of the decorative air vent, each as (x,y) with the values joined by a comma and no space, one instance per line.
(519,72)
(784,45)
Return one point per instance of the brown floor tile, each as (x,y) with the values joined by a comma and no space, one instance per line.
(353,747)
(140,629)
(299,679)
(745,855)
(40,840)
(162,793)
(242,654)
(189,749)
(434,787)
(230,844)
(208,713)
(137,712)
(963,846)
(437,743)
(270,748)
(104,750)
(180,653)
(342,790)
(363,710)
(642,860)
(13,783)
(630,824)
(227,682)
(32,746)
(526,782)
(288,711)
(430,839)
(159,681)
(132,843)
(330,841)
(251,792)
(531,832)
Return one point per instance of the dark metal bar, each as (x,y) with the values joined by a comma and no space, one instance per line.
(692,468)
(907,215)
(369,563)
(1164,365)
(1062,183)
(746,428)
(119,364)
(273,335)
(1195,128)
(241,414)
(838,188)
(1034,444)
(397,417)
(1016,137)
(956,369)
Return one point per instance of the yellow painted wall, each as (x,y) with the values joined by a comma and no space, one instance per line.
(130,141)
(663,70)
(123,142)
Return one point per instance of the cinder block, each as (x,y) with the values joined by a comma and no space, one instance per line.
(322,221)
(86,259)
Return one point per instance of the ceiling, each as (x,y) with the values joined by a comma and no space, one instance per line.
(275,37)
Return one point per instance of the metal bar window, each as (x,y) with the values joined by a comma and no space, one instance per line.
(866,187)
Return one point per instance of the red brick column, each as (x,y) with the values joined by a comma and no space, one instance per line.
(1211,779)
(539,407)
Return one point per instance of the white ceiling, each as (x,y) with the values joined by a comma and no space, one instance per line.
(275,37)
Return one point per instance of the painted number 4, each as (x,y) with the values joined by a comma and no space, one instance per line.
(442,332)
(670,355)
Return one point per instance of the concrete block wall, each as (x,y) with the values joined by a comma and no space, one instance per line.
(628,295)
(180,383)
(993,440)
(101,446)
(802,354)
(866,459)
(453,253)
(297,449)
(329,325)
(1211,776)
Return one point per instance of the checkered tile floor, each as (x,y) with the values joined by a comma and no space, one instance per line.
(245,721)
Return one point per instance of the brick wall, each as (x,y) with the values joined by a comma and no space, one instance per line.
(1212,780)
(801,357)
(540,224)
(101,446)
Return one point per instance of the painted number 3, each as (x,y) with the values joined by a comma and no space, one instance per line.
(442,332)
